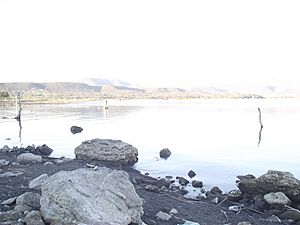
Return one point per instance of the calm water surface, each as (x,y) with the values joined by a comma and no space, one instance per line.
(218,139)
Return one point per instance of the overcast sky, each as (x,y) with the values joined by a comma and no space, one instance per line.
(150,43)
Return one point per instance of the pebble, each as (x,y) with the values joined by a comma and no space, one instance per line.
(48,163)
(163,216)
(173,211)
(9,201)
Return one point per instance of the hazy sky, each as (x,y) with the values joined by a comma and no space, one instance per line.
(150,43)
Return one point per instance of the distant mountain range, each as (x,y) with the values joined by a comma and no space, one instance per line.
(122,89)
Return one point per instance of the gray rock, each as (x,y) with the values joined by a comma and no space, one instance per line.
(165,153)
(29,199)
(183,181)
(75,129)
(163,216)
(9,201)
(244,223)
(277,199)
(272,181)
(11,215)
(29,158)
(151,188)
(246,177)
(235,195)
(92,197)
(38,182)
(5,149)
(43,150)
(162,182)
(293,214)
(4,162)
(191,174)
(48,163)
(34,218)
(197,184)
(10,174)
(22,208)
(274,219)
(107,150)
(216,190)
(173,212)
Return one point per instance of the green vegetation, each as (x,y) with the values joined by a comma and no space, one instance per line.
(4,94)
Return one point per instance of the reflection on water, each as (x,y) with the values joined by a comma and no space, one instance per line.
(215,138)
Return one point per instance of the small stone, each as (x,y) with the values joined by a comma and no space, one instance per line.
(169,177)
(244,223)
(146,174)
(48,163)
(163,183)
(246,177)
(95,168)
(183,191)
(234,195)
(151,188)
(173,211)
(197,184)
(4,162)
(191,174)
(234,208)
(163,216)
(183,181)
(58,161)
(216,191)
(274,219)
(215,200)
(165,153)
(76,129)
(43,150)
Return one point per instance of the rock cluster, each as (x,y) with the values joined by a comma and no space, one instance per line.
(275,193)
(42,150)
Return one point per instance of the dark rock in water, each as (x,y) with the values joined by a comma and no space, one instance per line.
(183,181)
(191,174)
(43,150)
(165,153)
(235,195)
(273,181)
(75,129)
(169,177)
(216,191)
(197,184)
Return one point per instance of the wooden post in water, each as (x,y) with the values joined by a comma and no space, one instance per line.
(261,126)
(18,106)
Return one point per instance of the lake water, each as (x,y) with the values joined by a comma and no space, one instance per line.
(218,139)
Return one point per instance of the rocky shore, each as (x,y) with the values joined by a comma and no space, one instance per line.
(101,187)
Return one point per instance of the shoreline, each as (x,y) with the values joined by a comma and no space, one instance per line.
(156,195)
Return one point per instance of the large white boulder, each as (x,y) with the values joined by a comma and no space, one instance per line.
(107,150)
(86,196)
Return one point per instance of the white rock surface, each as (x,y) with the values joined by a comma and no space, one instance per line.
(278,198)
(38,182)
(29,158)
(107,150)
(86,196)
(163,216)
